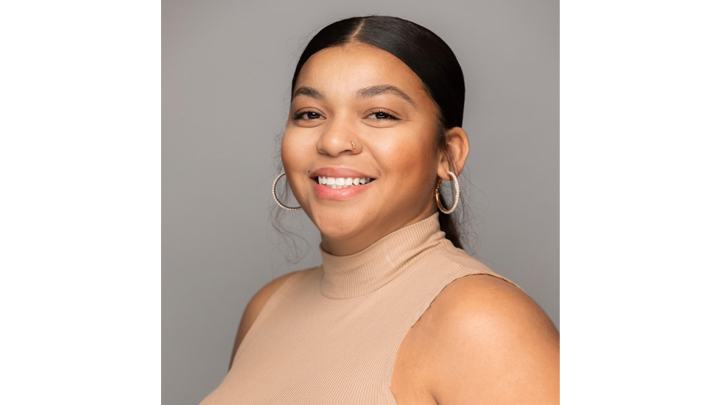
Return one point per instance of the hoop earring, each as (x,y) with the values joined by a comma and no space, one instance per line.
(457,194)
(283,206)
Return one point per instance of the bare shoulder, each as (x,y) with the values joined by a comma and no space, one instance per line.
(491,343)
(255,306)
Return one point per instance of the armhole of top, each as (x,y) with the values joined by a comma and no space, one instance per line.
(418,313)
(268,307)
(471,272)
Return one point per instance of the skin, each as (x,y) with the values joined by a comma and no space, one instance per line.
(482,340)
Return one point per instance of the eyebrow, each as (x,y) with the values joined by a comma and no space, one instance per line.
(366,92)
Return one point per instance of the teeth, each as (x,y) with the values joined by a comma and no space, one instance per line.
(337,183)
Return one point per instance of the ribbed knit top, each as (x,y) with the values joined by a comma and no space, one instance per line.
(329,335)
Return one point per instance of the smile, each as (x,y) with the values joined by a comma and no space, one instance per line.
(348,187)
(340,182)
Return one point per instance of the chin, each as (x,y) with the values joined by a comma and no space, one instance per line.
(340,225)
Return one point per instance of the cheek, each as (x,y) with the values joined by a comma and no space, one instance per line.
(285,149)
(297,151)
(293,151)
(410,160)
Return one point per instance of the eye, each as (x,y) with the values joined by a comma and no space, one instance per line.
(383,115)
(311,115)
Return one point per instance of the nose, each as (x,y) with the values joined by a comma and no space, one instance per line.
(339,138)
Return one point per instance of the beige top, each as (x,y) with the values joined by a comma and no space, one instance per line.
(330,335)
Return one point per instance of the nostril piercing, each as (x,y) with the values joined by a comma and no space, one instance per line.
(353,144)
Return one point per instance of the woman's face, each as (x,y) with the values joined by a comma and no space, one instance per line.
(363,94)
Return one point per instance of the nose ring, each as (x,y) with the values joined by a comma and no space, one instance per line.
(353,144)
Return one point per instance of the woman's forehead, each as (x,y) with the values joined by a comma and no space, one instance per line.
(345,70)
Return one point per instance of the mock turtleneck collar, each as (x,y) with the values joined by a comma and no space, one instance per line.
(364,272)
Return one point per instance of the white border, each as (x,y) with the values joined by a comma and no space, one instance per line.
(640,116)
(80,227)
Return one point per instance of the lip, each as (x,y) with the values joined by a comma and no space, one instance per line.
(328,193)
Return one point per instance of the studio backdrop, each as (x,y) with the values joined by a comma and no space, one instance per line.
(226,74)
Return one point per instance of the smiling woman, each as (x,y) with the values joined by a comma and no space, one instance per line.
(374,127)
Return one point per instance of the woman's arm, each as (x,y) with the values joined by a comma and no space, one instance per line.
(253,308)
(492,344)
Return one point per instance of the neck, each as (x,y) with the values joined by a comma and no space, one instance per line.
(359,242)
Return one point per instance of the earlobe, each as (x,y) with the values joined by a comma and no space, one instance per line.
(458,147)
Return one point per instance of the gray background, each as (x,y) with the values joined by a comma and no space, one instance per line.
(227,68)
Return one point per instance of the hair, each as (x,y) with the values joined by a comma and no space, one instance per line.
(425,54)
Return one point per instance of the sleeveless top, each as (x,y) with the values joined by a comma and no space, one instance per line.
(329,335)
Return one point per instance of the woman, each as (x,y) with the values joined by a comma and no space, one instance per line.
(374,128)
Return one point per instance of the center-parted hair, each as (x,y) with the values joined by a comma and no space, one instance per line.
(425,54)
(419,48)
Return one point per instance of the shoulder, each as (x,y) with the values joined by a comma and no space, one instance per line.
(256,304)
(262,296)
(491,340)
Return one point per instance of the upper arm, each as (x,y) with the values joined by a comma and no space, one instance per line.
(493,344)
(253,308)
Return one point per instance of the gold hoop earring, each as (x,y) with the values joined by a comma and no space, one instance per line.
(283,206)
(457,194)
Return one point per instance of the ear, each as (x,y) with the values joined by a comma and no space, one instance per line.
(458,147)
